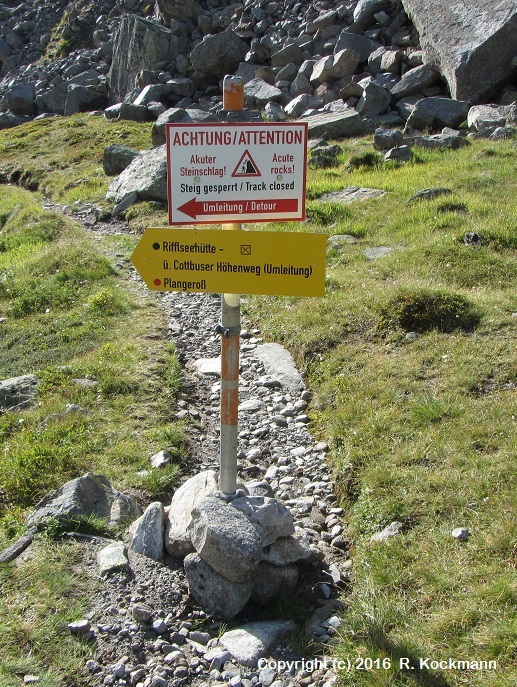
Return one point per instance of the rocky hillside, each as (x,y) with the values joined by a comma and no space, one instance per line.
(296,57)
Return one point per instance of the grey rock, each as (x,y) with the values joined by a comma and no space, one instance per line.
(336,66)
(428,194)
(9,120)
(430,113)
(287,54)
(400,153)
(179,11)
(415,80)
(248,643)
(302,103)
(274,519)
(170,116)
(82,99)
(449,140)
(141,613)
(275,112)
(339,242)
(351,194)
(133,113)
(79,627)
(301,86)
(210,367)
(292,549)
(116,157)
(335,125)
(126,202)
(484,116)
(146,533)
(363,45)
(151,93)
(138,44)
(146,176)
(19,546)
(83,497)
(20,99)
(461,533)
(186,497)
(161,459)
(384,139)
(472,44)
(390,531)
(366,9)
(18,391)
(279,363)
(257,93)
(113,558)
(502,133)
(374,100)
(54,99)
(267,676)
(218,54)
(216,594)
(225,539)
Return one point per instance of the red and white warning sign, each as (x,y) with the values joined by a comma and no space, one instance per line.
(238,172)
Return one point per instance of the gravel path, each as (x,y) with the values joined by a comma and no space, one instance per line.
(177,644)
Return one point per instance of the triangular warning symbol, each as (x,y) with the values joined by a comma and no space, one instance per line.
(246,167)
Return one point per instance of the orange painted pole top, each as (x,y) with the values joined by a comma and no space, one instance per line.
(233,93)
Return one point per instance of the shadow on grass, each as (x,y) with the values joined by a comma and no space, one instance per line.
(407,660)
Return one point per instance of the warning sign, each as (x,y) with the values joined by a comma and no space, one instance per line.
(238,172)
(246,167)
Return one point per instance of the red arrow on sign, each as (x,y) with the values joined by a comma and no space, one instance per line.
(196,208)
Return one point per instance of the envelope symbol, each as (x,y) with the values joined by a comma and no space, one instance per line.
(245,249)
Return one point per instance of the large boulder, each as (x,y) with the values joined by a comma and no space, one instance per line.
(184,500)
(214,592)
(218,54)
(20,99)
(179,10)
(436,113)
(82,99)
(225,539)
(146,176)
(138,44)
(116,157)
(471,43)
(335,124)
(83,497)
(146,533)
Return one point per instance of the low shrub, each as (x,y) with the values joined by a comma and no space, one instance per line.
(421,310)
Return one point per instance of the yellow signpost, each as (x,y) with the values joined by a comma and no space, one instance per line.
(219,261)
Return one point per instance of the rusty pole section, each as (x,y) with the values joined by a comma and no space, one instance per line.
(233,100)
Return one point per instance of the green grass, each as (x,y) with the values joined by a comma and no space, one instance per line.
(68,317)
(34,638)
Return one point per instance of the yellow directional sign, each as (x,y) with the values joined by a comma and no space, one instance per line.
(220,261)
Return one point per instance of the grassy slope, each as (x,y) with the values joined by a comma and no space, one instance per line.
(421,431)
(69,313)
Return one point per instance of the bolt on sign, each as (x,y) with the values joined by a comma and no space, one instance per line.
(220,261)
(237,172)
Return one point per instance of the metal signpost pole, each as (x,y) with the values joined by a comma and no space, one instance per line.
(230,327)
